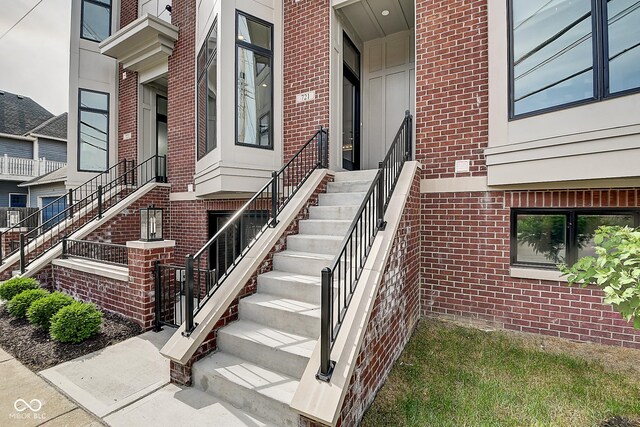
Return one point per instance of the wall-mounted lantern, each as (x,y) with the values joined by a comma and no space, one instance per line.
(151,224)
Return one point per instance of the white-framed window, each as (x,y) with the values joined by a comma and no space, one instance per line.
(95,20)
(18,200)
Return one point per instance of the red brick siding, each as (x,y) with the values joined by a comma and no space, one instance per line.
(306,68)
(127,113)
(465,267)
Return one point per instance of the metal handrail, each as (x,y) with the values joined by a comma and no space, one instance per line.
(109,253)
(340,279)
(260,212)
(95,203)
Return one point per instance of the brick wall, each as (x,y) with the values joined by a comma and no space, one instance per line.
(306,68)
(465,268)
(127,114)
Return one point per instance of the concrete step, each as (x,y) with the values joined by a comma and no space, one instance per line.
(289,285)
(307,263)
(326,227)
(316,244)
(296,317)
(341,199)
(366,175)
(348,186)
(268,347)
(343,213)
(255,389)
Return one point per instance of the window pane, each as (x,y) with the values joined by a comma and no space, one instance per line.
(96,22)
(351,56)
(93,141)
(552,53)
(212,41)
(587,225)
(202,116)
(18,200)
(253,32)
(94,100)
(254,98)
(624,44)
(207,99)
(541,239)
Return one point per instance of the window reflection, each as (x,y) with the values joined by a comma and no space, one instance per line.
(624,44)
(541,239)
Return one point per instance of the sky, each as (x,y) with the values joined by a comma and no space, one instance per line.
(34,56)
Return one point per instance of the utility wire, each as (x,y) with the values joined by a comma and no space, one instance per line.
(20,20)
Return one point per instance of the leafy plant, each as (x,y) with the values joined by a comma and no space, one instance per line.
(75,323)
(42,310)
(20,303)
(15,285)
(616,269)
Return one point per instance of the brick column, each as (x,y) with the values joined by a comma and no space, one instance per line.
(8,237)
(142,256)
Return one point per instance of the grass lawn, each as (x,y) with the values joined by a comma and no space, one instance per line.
(454,376)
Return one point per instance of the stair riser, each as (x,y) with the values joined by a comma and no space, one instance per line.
(262,355)
(244,398)
(340,199)
(308,266)
(315,244)
(287,321)
(333,212)
(324,228)
(366,175)
(298,291)
(348,187)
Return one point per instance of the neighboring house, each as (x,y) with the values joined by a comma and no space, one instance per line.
(525,137)
(33,142)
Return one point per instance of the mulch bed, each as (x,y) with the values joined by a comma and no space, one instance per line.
(36,350)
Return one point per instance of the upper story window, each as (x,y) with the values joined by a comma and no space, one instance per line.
(95,24)
(565,52)
(208,92)
(93,131)
(254,82)
(547,237)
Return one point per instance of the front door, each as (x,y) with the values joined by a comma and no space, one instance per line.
(51,211)
(350,106)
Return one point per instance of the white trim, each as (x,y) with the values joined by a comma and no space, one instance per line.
(109,271)
(54,138)
(537,274)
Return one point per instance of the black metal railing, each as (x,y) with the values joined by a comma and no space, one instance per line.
(86,203)
(207,270)
(95,251)
(339,280)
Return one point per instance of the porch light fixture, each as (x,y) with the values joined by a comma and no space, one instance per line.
(385,12)
(151,224)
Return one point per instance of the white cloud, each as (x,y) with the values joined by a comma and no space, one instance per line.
(34,56)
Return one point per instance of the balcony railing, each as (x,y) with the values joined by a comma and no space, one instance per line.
(27,168)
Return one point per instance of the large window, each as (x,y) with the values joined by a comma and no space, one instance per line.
(93,131)
(565,52)
(208,92)
(96,20)
(546,237)
(17,200)
(254,82)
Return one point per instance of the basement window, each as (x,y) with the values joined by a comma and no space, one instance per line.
(95,22)
(543,238)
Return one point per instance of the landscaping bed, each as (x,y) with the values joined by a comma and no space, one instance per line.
(34,347)
(450,375)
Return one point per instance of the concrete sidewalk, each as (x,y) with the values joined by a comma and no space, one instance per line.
(27,400)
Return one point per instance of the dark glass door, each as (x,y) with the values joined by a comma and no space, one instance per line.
(161,130)
(351,106)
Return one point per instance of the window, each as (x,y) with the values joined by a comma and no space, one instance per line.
(254,82)
(565,52)
(17,200)
(96,20)
(93,131)
(546,237)
(207,92)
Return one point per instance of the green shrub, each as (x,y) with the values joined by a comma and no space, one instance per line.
(15,285)
(75,322)
(19,304)
(42,310)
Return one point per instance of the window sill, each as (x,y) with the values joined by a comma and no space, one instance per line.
(537,274)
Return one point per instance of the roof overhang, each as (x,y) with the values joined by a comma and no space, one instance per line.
(145,44)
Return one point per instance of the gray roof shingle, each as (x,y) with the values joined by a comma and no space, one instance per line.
(19,114)
(55,127)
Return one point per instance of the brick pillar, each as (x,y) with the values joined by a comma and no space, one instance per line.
(142,256)
(11,236)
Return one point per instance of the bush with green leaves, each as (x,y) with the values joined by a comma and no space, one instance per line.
(75,323)
(42,310)
(615,269)
(15,285)
(19,304)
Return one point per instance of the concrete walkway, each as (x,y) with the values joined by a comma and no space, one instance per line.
(27,400)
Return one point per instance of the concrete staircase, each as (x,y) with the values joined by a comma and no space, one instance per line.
(263,355)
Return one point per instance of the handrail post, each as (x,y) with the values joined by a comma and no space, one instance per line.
(71,202)
(382,224)
(22,257)
(407,134)
(133,173)
(326,149)
(164,169)
(99,201)
(65,249)
(274,199)
(326,365)
(125,173)
(188,295)
(155,160)
(158,295)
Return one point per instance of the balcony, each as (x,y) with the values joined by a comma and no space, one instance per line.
(21,169)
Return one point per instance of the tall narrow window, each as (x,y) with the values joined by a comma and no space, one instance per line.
(254,82)
(96,20)
(623,24)
(93,131)
(208,92)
